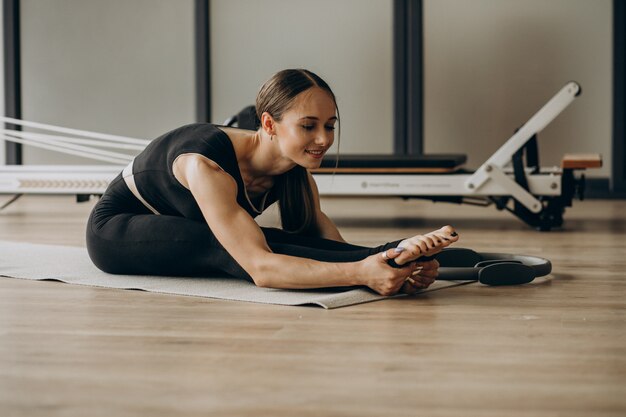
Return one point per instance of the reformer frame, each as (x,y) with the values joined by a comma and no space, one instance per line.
(535,194)
(507,180)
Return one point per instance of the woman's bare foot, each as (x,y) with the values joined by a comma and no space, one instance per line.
(426,245)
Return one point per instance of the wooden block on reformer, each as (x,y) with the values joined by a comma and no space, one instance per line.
(581,161)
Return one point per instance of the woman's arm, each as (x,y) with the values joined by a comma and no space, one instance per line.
(216,194)
(328,229)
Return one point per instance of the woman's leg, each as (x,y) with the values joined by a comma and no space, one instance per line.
(419,246)
(318,248)
(146,244)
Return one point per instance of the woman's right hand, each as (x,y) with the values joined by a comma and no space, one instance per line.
(382,278)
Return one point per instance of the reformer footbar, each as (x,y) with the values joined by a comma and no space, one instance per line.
(511,179)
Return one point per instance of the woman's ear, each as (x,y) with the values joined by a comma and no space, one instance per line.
(268,123)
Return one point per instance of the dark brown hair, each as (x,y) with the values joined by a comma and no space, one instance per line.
(295,198)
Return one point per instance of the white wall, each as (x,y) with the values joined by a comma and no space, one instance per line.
(116,66)
(126,66)
(2,144)
(346,42)
(490,64)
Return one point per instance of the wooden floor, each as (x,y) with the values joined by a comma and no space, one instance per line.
(556,347)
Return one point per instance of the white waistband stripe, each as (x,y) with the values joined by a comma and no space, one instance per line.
(129,179)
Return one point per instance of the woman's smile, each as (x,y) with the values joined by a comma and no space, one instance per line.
(317,154)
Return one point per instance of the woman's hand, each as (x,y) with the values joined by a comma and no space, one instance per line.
(426,245)
(424,275)
(382,278)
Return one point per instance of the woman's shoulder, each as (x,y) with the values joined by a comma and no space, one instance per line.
(195,135)
(195,129)
(211,129)
(201,138)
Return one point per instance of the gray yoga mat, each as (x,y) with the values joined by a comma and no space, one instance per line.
(73,266)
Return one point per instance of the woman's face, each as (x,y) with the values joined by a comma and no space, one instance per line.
(307,130)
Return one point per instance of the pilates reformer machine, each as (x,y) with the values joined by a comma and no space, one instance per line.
(511,179)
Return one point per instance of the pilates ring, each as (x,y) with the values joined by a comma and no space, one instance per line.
(460,264)
(490,268)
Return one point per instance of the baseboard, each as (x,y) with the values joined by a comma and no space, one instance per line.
(600,188)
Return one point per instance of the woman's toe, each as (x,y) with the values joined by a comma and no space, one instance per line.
(449,231)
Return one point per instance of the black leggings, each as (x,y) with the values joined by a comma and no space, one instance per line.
(123,237)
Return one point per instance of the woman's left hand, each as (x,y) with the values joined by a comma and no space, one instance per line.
(421,278)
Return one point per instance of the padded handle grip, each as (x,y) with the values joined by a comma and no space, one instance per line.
(392,263)
(458,274)
(506,273)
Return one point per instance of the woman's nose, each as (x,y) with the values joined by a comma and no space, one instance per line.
(324,139)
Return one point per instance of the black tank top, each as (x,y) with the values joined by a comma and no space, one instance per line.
(154,176)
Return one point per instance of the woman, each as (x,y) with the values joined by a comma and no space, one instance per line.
(186,205)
